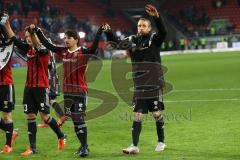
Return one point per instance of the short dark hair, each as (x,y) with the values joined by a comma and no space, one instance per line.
(74,34)
(145,19)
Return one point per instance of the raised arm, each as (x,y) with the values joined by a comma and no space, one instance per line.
(94,46)
(109,33)
(3,33)
(11,35)
(45,41)
(161,34)
(35,41)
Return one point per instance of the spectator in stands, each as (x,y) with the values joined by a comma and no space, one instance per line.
(218,3)
(230,28)
(16,24)
(68,21)
(42,5)
(26,6)
(203,42)
(110,12)
(213,31)
(181,42)
(214,4)
(163,46)
(12,8)
(224,2)
(196,16)
(1,6)
(106,2)
(50,20)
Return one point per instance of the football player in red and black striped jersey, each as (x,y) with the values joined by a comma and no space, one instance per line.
(75,59)
(36,90)
(54,84)
(7,100)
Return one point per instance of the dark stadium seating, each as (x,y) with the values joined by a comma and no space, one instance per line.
(230,11)
(96,13)
(121,4)
(82,9)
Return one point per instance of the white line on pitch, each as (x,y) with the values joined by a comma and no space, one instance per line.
(202,100)
(207,89)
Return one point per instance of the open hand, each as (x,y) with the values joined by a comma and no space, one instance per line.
(151,10)
(106,27)
(31,29)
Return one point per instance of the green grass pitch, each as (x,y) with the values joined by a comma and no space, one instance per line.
(202,116)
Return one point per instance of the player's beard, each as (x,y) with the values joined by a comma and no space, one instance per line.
(142,34)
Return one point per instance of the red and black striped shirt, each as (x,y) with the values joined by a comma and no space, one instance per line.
(74,63)
(74,67)
(37,64)
(6,75)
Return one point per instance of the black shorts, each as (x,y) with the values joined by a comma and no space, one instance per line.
(7,98)
(36,99)
(75,106)
(53,95)
(148,104)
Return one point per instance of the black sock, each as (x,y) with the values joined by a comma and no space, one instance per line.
(81,132)
(9,132)
(58,109)
(2,125)
(32,131)
(53,124)
(160,128)
(136,130)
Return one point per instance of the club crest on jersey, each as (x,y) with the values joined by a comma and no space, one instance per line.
(5,102)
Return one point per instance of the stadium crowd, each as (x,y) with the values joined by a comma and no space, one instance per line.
(193,20)
(51,20)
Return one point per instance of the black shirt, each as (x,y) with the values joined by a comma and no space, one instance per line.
(145,57)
